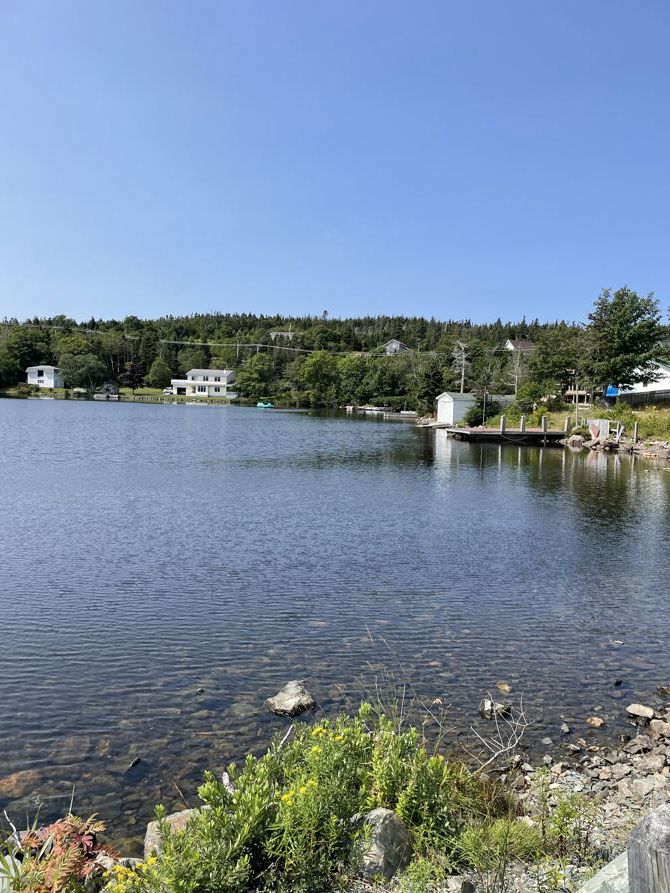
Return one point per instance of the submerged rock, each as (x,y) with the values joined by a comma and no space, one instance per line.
(20,783)
(390,847)
(292,700)
(596,722)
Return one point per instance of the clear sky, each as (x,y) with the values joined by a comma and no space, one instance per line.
(458,159)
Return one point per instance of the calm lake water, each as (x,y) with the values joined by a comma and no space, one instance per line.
(151,551)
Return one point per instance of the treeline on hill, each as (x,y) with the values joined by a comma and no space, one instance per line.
(328,362)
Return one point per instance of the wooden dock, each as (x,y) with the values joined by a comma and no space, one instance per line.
(523,435)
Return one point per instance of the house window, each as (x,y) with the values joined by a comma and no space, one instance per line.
(205,377)
(202,389)
(217,378)
(40,373)
(193,378)
(217,390)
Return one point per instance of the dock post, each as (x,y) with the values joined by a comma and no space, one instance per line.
(502,424)
(635,432)
(566,424)
(522,425)
(649,853)
(544,429)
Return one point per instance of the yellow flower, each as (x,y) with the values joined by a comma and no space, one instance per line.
(315,749)
(311,783)
(288,796)
(303,789)
(338,738)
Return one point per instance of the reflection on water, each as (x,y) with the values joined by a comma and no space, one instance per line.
(152,551)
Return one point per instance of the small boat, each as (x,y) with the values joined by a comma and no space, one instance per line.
(261,405)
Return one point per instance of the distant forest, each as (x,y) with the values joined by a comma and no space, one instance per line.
(321,361)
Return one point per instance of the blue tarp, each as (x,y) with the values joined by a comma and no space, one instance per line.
(611,391)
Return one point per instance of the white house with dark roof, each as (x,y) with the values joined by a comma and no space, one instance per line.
(204,383)
(44,376)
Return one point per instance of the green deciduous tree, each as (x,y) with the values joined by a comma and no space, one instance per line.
(255,376)
(10,371)
(159,374)
(82,370)
(319,374)
(623,337)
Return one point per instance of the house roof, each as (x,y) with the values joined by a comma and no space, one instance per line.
(521,344)
(209,372)
(42,366)
(401,344)
(454,395)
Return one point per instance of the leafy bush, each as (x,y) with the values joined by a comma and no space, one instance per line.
(293,818)
(478,415)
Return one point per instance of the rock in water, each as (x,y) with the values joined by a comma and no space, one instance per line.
(596,722)
(153,843)
(488,709)
(390,847)
(640,711)
(292,700)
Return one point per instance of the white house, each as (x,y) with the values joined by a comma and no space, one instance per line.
(650,391)
(204,383)
(44,377)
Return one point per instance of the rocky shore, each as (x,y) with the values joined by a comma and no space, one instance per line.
(609,789)
(649,449)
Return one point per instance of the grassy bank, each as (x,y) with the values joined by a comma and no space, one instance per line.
(653,422)
(295,820)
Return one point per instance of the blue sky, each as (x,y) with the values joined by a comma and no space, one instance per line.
(473,159)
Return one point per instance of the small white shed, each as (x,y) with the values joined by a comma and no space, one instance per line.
(451,407)
(44,376)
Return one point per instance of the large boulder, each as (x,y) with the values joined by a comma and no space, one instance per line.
(153,842)
(390,846)
(292,700)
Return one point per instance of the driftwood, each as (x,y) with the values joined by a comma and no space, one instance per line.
(649,853)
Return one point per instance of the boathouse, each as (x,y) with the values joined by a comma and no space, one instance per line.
(452,407)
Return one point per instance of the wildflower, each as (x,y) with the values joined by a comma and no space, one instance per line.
(315,749)
(338,738)
(303,789)
(311,783)
(288,796)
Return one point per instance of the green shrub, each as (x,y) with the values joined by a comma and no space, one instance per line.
(290,822)
(478,414)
